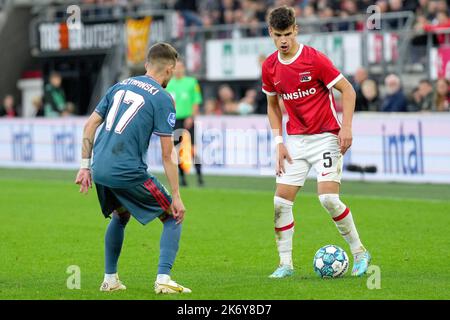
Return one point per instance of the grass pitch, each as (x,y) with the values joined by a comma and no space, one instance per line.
(227,248)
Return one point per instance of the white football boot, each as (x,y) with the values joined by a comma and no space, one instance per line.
(113,284)
(164,284)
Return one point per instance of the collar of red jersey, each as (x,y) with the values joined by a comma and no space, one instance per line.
(299,51)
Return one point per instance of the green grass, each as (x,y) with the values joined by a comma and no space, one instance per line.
(227,248)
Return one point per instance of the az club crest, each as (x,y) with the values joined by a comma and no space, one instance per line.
(305,78)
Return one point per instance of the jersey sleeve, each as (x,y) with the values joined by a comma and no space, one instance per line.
(197,94)
(267,82)
(103,105)
(164,117)
(328,73)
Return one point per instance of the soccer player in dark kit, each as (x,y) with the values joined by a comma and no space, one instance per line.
(132,110)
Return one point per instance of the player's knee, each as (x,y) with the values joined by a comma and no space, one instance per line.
(283,211)
(164,217)
(123,217)
(331,203)
(281,203)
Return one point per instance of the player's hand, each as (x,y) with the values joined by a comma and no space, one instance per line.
(282,155)
(178,209)
(84,180)
(345,139)
(188,123)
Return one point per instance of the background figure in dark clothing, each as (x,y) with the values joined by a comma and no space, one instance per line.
(261,98)
(54,97)
(359,77)
(395,100)
(426,94)
(188,10)
(370,100)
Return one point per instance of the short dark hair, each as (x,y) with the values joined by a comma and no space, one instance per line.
(162,52)
(282,18)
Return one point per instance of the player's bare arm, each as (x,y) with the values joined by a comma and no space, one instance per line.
(276,121)
(348,105)
(84,174)
(170,163)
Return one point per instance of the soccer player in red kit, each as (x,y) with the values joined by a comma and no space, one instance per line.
(304,79)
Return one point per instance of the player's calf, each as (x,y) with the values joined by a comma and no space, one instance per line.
(113,245)
(343,219)
(284,229)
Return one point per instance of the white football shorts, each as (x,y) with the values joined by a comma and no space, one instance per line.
(318,150)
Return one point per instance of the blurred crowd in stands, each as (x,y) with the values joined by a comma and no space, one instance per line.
(52,104)
(426,96)
(250,13)
(373,94)
(389,96)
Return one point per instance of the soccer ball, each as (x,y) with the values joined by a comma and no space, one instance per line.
(330,261)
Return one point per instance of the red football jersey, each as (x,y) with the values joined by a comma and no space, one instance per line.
(305,83)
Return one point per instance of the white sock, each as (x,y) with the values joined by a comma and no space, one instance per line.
(163,278)
(343,219)
(284,229)
(112,277)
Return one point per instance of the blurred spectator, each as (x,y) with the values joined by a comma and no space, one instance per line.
(425,91)
(370,98)
(414,100)
(38,104)
(54,97)
(382,6)
(441,97)
(358,78)
(226,100)
(348,8)
(247,103)
(442,22)
(326,13)
(8,108)
(309,12)
(367,100)
(396,6)
(419,42)
(212,107)
(442,5)
(261,98)
(395,100)
(424,9)
(188,10)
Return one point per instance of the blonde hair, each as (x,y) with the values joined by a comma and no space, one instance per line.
(439,100)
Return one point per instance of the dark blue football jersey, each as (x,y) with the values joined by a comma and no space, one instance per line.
(132,110)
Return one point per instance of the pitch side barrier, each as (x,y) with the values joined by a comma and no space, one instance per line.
(386,147)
